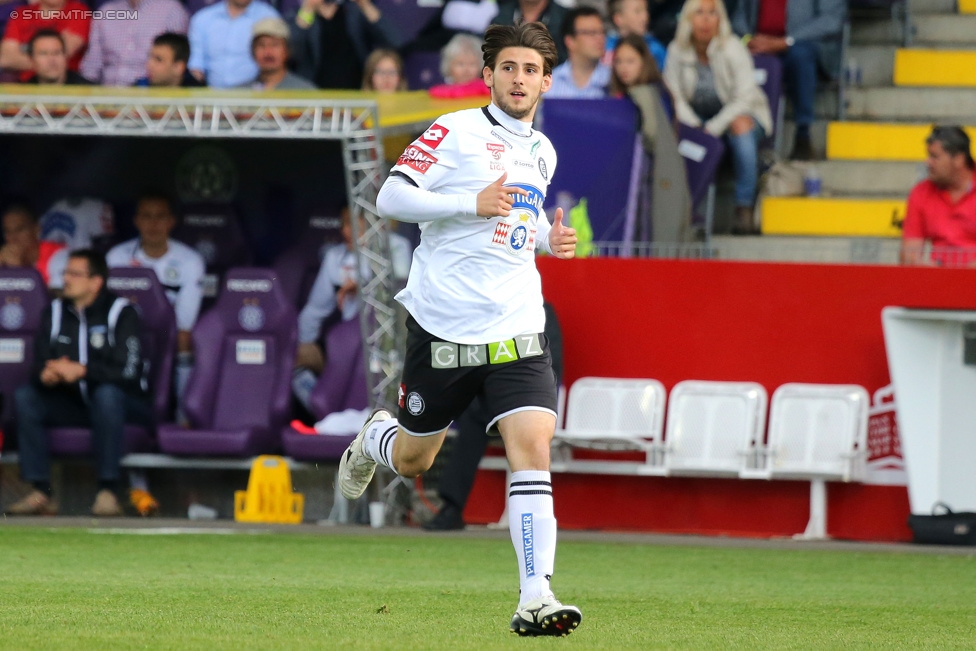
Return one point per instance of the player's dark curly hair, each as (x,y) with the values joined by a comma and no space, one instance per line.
(534,36)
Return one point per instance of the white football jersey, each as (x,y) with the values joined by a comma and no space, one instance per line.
(474,279)
(180,272)
(77,222)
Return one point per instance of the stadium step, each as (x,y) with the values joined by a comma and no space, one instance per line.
(935,68)
(944,29)
(874,63)
(877,179)
(869,141)
(901,104)
(965,6)
(826,217)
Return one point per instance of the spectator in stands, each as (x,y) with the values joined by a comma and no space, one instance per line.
(711,75)
(383,72)
(69,18)
(547,12)
(179,268)
(335,295)
(635,75)
(582,76)
(806,35)
(461,67)
(632,17)
(166,66)
(942,208)
(87,372)
(117,49)
(331,40)
(23,246)
(49,62)
(269,46)
(220,41)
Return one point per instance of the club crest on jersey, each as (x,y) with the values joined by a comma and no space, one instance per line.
(416,158)
(515,237)
(434,136)
(542,168)
(495,149)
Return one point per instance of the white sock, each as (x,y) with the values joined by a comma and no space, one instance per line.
(379,442)
(533,527)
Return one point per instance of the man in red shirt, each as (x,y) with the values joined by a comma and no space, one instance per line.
(942,208)
(69,18)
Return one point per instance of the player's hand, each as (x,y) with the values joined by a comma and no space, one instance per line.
(496,200)
(562,238)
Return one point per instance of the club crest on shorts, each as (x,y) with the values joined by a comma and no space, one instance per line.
(415,404)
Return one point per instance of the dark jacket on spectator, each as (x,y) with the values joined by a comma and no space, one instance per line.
(552,18)
(306,44)
(112,343)
(806,20)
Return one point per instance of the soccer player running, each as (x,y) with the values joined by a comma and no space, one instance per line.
(475,181)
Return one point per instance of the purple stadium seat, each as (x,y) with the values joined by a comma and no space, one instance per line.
(408,16)
(341,386)
(238,396)
(215,231)
(423,70)
(299,264)
(22,300)
(769,76)
(142,289)
(703,154)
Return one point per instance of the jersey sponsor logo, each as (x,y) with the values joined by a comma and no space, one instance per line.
(533,202)
(495,149)
(415,404)
(416,158)
(542,168)
(434,136)
(515,237)
(250,351)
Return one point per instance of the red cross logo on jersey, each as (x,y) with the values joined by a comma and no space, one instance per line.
(433,136)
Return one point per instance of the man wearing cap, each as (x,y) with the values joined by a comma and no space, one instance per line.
(942,208)
(269,47)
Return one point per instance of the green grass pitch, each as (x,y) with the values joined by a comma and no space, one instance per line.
(69,589)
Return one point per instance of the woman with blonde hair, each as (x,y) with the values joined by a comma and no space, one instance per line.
(383,72)
(711,75)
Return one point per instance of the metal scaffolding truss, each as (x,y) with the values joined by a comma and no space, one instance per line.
(354,122)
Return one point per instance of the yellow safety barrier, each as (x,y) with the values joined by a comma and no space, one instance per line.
(269,496)
(832,216)
(938,68)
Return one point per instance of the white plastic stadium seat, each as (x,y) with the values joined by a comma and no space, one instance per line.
(615,414)
(817,432)
(714,428)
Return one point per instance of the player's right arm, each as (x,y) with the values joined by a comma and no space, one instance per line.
(418,188)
